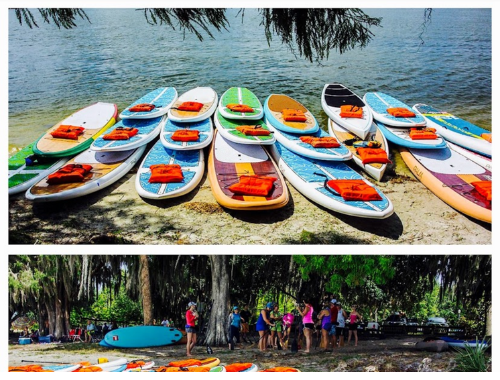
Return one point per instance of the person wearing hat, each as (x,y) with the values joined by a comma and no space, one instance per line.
(262,325)
(235,320)
(191,327)
(342,316)
(334,311)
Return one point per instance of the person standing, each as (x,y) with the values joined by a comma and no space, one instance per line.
(245,322)
(326,324)
(165,322)
(89,331)
(342,316)
(307,322)
(234,321)
(333,319)
(192,317)
(277,329)
(354,318)
(263,324)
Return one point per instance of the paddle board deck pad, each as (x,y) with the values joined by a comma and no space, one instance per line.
(401,137)
(142,336)
(227,129)
(95,118)
(448,175)
(336,95)
(204,127)
(479,159)
(308,177)
(62,367)
(148,130)
(228,161)
(380,102)
(273,108)
(204,95)
(253,368)
(22,176)
(375,170)
(456,130)
(107,168)
(162,99)
(243,96)
(219,368)
(293,142)
(192,164)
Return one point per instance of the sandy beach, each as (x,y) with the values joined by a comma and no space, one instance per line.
(118,215)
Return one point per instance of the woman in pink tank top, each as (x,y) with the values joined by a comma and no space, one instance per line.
(307,322)
(354,317)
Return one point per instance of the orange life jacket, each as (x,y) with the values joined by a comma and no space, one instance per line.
(280,369)
(320,142)
(484,188)
(237,367)
(253,130)
(354,190)
(239,107)
(486,136)
(143,107)
(190,106)
(69,174)
(182,369)
(70,132)
(186,135)
(423,134)
(253,185)
(29,368)
(400,112)
(121,133)
(136,364)
(163,173)
(185,363)
(293,115)
(373,155)
(91,368)
(351,111)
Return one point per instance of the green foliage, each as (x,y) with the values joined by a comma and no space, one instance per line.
(472,359)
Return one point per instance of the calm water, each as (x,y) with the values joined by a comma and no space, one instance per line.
(119,57)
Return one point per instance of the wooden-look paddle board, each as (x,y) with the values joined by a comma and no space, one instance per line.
(95,118)
(227,129)
(107,168)
(380,102)
(448,175)
(205,95)
(456,130)
(336,95)
(308,176)
(204,127)
(148,129)
(375,170)
(162,98)
(401,137)
(240,95)
(192,164)
(479,159)
(142,336)
(228,161)
(273,107)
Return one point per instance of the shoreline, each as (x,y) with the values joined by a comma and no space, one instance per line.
(118,215)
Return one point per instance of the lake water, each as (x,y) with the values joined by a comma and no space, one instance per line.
(119,57)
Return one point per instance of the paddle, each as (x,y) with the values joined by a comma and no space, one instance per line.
(42,361)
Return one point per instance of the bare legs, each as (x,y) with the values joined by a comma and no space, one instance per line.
(308,336)
(355,333)
(191,342)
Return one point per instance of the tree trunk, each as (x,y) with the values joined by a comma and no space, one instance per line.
(489,328)
(217,325)
(147,304)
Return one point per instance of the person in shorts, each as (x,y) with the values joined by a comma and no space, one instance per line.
(340,328)
(333,322)
(192,317)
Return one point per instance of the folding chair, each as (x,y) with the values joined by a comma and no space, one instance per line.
(74,335)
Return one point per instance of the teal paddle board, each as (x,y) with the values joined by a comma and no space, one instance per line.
(162,98)
(227,129)
(401,137)
(142,336)
(380,102)
(204,127)
(243,96)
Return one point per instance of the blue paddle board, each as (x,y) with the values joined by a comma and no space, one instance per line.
(162,98)
(401,137)
(309,176)
(192,164)
(204,127)
(380,102)
(142,336)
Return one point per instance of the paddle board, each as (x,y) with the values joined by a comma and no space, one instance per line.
(479,159)
(273,107)
(204,127)
(62,367)
(293,142)
(380,102)
(219,368)
(463,343)
(401,137)
(192,164)
(240,95)
(448,175)
(22,176)
(375,170)
(148,130)
(456,130)
(162,98)
(227,129)
(336,95)
(204,95)
(142,336)
(107,168)
(308,177)
(228,161)
(253,368)
(95,118)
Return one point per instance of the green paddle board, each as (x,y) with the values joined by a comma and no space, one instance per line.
(240,95)
(227,129)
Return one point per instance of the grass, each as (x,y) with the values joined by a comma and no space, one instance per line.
(472,359)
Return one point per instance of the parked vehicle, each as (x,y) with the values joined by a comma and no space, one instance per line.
(436,321)
(412,322)
(395,319)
